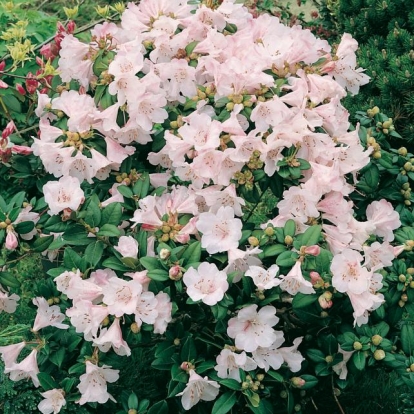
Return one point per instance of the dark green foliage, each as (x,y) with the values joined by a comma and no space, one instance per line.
(385,33)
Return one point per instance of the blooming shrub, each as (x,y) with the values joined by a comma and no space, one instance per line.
(155,139)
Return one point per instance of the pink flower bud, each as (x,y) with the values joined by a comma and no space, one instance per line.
(325,301)
(60,28)
(185,366)
(39,61)
(21,149)
(20,89)
(313,250)
(70,27)
(31,83)
(315,278)
(49,51)
(3,85)
(2,65)
(11,240)
(175,273)
(10,127)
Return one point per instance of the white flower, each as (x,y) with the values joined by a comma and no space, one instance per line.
(229,363)
(47,315)
(198,388)
(221,231)
(262,278)
(251,329)
(53,402)
(207,283)
(93,383)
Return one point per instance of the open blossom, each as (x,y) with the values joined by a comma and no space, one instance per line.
(48,315)
(262,278)
(53,402)
(63,194)
(251,329)
(198,388)
(93,385)
(221,231)
(112,337)
(294,281)
(384,217)
(10,353)
(27,368)
(127,246)
(206,283)
(8,303)
(348,273)
(229,363)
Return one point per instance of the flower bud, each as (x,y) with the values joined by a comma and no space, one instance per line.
(260,377)
(134,328)
(20,89)
(402,278)
(297,382)
(2,65)
(269,231)
(175,273)
(412,367)
(177,341)
(253,241)
(11,240)
(315,278)
(288,240)
(379,355)
(132,411)
(376,340)
(164,254)
(313,250)
(329,359)
(357,346)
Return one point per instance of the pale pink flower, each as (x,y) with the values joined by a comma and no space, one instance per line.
(146,309)
(229,363)
(340,368)
(378,255)
(127,246)
(10,353)
(198,388)
(164,309)
(8,303)
(251,329)
(299,202)
(384,217)
(112,337)
(206,283)
(240,260)
(93,385)
(292,356)
(87,318)
(47,315)
(121,296)
(221,231)
(294,281)
(264,278)
(27,368)
(270,357)
(364,302)
(62,194)
(53,402)
(348,274)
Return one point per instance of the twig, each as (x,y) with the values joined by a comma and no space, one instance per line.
(336,398)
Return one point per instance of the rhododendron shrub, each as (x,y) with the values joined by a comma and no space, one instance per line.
(158,139)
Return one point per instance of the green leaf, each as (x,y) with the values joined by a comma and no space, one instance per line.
(6,279)
(231,383)
(93,252)
(161,407)
(160,275)
(192,253)
(275,375)
(109,230)
(42,243)
(188,351)
(24,227)
(58,357)
(290,228)
(316,355)
(133,401)
(111,214)
(115,264)
(151,263)
(72,260)
(287,259)
(310,382)
(302,300)
(93,213)
(358,359)
(225,403)
(12,103)
(125,191)
(46,381)
(273,250)
(311,236)
(407,337)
